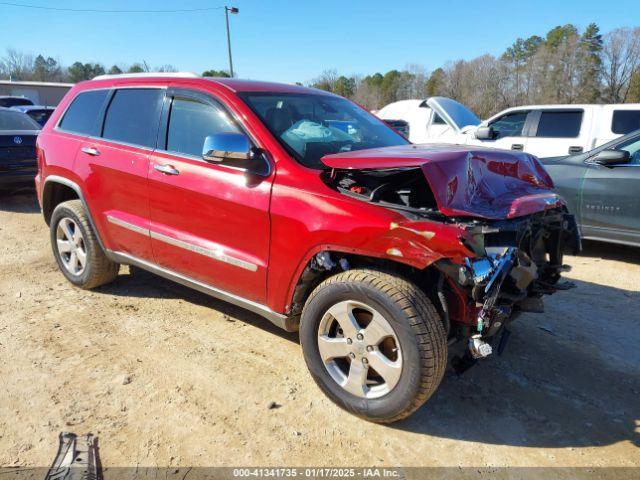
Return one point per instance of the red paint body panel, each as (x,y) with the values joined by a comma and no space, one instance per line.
(276,223)
(466,181)
(213,207)
(116,181)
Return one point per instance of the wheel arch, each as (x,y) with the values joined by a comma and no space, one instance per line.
(327,262)
(57,189)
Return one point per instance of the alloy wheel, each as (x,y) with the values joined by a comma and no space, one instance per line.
(71,246)
(360,349)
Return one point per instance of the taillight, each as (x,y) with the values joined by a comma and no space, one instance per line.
(40,158)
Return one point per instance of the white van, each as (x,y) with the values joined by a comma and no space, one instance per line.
(543,130)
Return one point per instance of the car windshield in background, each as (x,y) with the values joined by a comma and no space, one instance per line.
(311,126)
(10,120)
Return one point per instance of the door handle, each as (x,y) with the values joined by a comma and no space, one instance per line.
(94,152)
(517,146)
(167,169)
(573,150)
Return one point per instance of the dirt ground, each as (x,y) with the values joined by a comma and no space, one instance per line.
(166,376)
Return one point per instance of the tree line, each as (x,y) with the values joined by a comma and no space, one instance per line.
(16,65)
(564,66)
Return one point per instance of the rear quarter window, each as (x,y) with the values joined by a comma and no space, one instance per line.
(133,116)
(82,115)
(625,121)
(560,124)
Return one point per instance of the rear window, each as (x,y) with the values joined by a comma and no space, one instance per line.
(16,121)
(625,121)
(14,102)
(82,115)
(132,116)
(565,124)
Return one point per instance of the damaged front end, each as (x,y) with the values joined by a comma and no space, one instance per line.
(517,262)
(487,220)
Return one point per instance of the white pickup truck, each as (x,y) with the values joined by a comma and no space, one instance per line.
(543,130)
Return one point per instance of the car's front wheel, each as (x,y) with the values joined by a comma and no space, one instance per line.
(374,344)
(76,248)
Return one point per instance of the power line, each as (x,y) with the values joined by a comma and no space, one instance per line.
(89,10)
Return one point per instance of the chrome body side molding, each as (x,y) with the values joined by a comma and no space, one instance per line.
(287,323)
(128,226)
(217,254)
(207,252)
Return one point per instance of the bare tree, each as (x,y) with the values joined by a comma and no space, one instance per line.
(326,80)
(17,65)
(165,68)
(621,57)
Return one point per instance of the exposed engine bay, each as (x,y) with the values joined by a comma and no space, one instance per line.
(404,188)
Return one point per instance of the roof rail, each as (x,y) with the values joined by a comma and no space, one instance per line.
(148,74)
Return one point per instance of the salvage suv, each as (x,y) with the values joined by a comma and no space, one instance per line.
(299,205)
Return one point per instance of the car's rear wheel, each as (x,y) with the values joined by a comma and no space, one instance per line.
(76,248)
(374,344)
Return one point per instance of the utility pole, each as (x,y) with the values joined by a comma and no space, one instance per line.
(234,11)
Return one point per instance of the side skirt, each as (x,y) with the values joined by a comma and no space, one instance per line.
(286,323)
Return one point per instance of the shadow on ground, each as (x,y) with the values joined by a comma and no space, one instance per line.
(568,378)
(20,200)
(143,284)
(610,251)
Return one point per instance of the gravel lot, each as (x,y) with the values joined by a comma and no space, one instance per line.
(166,376)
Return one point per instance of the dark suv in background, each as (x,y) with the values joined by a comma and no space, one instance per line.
(18,133)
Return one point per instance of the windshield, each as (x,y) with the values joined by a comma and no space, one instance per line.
(457,113)
(311,126)
(16,121)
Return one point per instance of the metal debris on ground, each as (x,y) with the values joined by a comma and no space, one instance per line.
(77,458)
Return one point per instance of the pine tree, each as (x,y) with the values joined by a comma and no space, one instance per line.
(591,64)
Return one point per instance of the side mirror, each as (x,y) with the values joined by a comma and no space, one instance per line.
(485,133)
(226,146)
(611,157)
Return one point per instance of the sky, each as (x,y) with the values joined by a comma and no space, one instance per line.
(293,41)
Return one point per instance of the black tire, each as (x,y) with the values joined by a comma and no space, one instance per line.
(416,324)
(98,269)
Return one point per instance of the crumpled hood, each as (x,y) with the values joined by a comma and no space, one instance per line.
(466,180)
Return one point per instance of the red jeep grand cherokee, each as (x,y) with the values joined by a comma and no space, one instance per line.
(301,206)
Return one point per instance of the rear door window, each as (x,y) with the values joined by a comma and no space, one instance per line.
(82,115)
(625,121)
(133,115)
(510,125)
(560,124)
